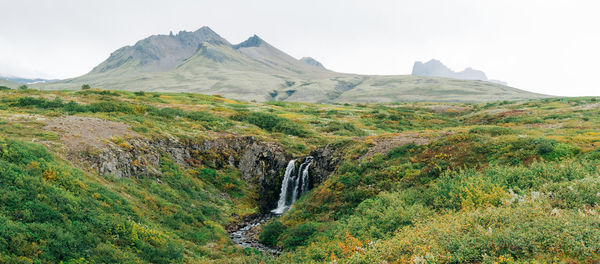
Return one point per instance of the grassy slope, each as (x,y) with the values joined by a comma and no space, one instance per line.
(249,85)
(488,157)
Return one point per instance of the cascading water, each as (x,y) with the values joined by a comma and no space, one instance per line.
(293,184)
(304,180)
(285,184)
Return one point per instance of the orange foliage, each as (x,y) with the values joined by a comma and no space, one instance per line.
(351,246)
(49,174)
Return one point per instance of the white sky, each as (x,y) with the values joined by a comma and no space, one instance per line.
(546,46)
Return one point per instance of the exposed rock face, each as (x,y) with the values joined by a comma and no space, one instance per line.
(326,160)
(261,163)
(253,41)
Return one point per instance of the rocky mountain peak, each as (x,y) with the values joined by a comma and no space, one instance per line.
(253,41)
(436,68)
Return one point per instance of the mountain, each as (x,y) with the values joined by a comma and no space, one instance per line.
(435,68)
(20,80)
(158,53)
(312,62)
(7,83)
(204,62)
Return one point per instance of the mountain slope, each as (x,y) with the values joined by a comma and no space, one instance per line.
(204,62)
(158,53)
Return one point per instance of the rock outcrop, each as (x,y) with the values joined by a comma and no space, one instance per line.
(110,148)
(326,160)
(261,163)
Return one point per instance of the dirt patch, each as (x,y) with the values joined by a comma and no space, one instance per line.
(386,143)
(78,132)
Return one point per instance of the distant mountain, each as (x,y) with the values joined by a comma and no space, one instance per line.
(435,68)
(7,83)
(20,80)
(204,62)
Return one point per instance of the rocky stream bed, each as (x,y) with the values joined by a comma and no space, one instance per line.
(245,234)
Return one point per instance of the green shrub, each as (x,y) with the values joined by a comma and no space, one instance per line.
(574,194)
(271,233)
(343,129)
(544,147)
(464,190)
(39,102)
(491,130)
(593,155)
(85,87)
(380,217)
(271,123)
(528,232)
(299,235)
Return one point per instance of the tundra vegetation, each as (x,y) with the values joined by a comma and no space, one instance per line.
(498,182)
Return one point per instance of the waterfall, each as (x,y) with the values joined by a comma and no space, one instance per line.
(293,184)
(305,180)
(281,204)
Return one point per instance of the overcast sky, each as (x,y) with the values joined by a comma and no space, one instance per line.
(545,46)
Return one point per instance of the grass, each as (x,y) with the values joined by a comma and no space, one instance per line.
(513,181)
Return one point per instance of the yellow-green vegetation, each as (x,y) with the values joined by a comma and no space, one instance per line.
(500,182)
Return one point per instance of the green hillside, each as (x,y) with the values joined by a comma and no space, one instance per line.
(204,62)
(100,176)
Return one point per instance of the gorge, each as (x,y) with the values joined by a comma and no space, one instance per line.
(295,183)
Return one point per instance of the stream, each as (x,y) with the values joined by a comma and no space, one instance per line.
(245,234)
(295,183)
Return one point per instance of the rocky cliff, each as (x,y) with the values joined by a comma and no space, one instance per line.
(261,163)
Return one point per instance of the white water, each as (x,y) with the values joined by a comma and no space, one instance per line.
(300,183)
(305,180)
(281,204)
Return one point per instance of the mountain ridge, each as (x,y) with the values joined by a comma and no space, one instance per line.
(204,62)
(435,68)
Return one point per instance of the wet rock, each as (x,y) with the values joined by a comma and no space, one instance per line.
(245,234)
(326,160)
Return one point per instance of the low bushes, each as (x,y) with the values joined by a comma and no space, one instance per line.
(526,232)
(298,235)
(206,119)
(271,123)
(343,129)
(271,233)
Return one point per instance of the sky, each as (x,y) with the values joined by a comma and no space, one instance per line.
(548,46)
